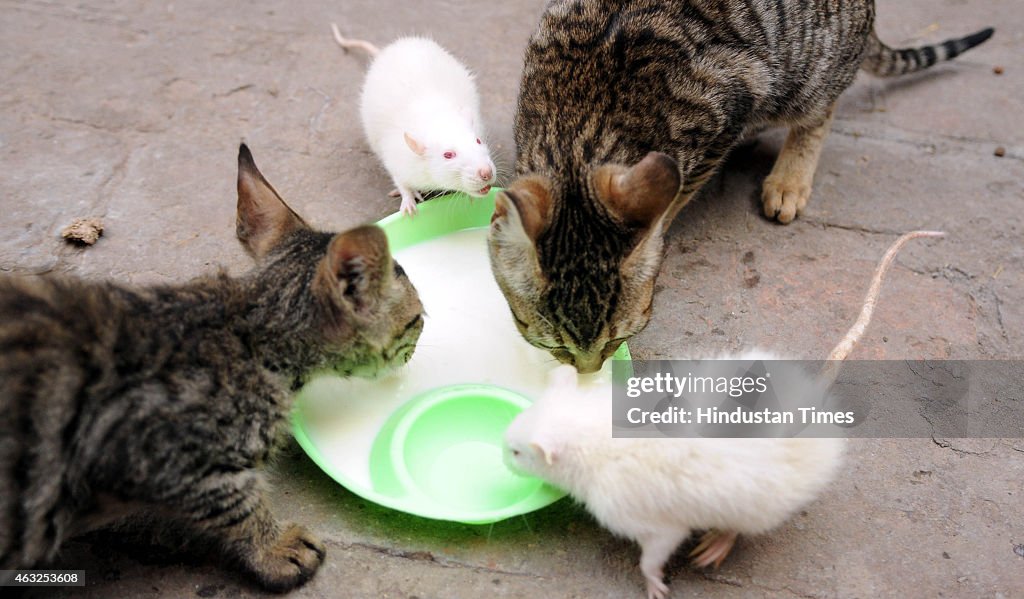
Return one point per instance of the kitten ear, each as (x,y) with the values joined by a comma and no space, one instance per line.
(417,148)
(643,193)
(356,268)
(263,219)
(525,207)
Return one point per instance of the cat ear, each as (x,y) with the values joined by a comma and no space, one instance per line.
(640,195)
(356,268)
(643,197)
(643,262)
(417,148)
(522,209)
(263,219)
(521,213)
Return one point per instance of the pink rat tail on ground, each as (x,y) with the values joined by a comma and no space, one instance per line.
(830,371)
(348,44)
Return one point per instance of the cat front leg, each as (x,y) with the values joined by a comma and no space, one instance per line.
(785,192)
(231,512)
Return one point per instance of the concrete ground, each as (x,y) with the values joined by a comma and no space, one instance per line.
(132,112)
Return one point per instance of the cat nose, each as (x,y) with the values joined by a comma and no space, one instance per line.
(485,173)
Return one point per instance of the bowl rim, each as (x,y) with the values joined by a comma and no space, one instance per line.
(430,399)
(450,214)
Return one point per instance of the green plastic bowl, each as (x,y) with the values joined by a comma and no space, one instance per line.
(445,447)
(439,455)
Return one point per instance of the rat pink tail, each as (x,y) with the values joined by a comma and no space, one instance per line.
(348,44)
(845,346)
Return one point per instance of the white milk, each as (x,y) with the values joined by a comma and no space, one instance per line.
(468,337)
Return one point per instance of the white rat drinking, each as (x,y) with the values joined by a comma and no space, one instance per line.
(421,114)
(658,491)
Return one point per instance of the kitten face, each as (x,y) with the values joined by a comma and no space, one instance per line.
(577,263)
(387,329)
(341,297)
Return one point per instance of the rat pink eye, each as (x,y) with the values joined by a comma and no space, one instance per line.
(478,140)
(449,155)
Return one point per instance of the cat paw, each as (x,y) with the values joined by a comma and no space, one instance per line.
(290,562)
(784,198)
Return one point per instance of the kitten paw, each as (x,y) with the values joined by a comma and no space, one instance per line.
(291,562)
(784,198)
(714,547)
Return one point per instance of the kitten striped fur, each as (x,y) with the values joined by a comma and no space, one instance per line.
(163,403)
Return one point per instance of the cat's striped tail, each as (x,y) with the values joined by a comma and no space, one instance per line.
(883,61)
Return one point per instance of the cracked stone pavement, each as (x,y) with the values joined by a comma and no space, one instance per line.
(132,112)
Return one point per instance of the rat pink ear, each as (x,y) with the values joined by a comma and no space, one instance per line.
(416,147)
(544,450)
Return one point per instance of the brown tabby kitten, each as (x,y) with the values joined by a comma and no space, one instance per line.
(576,240)
(167,400)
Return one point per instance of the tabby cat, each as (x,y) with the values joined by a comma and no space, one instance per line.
(626,109)
(167,400)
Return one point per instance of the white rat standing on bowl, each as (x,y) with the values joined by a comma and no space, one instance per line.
(657,491)
(421,114)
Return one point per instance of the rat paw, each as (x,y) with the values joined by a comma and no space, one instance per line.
(655,550)
(409,199)
(290,562)
(714,547)
(784,197)
(656,589)
(409,207)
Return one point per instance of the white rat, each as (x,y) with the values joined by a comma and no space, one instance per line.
(657,491)
(421,114)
